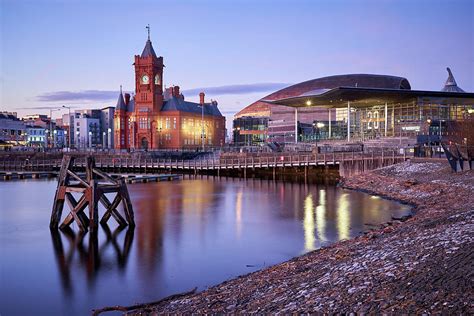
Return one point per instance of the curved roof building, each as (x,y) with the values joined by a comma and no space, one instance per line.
(262,107)
(354,106)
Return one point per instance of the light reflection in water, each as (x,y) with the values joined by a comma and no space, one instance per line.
(343,216)
(194,232)
(238,213)
(308,223)
(320,217)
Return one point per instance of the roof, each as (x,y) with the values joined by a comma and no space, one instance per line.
(131,105)
(8,116)
(148,50)
(338,97)
(120,102)
(451,85)
(262,106)
(178,104)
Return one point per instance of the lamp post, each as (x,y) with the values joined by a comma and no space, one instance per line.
(90,140)
(55,138)
(103,140)
(51,123)
(46,138)
(67,140)
(400,125)
(109,138)
(70,124)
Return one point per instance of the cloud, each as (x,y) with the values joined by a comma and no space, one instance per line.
(104,95)
(84,95)
(46,107)
(238,88)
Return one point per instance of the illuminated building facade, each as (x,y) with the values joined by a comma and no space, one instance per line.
(360,107)
(159,118)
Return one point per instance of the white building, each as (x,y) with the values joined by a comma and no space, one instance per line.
(86,131)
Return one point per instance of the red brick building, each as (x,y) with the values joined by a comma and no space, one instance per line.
(158,118)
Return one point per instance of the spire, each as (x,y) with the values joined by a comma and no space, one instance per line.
(451,85)
(120,102)
(148,50)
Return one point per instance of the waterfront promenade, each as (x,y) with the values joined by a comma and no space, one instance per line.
(421,265)
(347,163)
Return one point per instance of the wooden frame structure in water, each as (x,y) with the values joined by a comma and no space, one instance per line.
(92,187)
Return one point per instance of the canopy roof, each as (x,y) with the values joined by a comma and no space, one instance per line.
(338,97)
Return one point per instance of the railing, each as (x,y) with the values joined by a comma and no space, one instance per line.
(275,160)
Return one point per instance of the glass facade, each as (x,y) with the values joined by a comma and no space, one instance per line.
(250,130)
(410,119)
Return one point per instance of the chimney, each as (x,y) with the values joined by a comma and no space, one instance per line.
(201,98)
(127,98)
(176,91)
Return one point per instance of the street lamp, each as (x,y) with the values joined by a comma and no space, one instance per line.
(70,124)
(90,140)
(400,125)
(78,141)
(46,138)
(51,122)
(103,140)
(109,138)
(67,140)
(55,138)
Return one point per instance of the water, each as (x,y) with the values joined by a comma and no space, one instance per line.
(190,233)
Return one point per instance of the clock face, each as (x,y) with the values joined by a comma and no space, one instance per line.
(157,79)
(145,79)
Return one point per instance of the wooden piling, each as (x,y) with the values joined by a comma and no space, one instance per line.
(92,188)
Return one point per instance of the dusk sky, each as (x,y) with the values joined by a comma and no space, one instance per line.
(78,53)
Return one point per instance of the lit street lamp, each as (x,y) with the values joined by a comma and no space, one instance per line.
(67,141)
(109,131)
(55,138)
(90,140)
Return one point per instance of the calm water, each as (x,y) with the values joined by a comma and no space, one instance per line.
(190,233)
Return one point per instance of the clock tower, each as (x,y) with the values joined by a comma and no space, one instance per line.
(148,95)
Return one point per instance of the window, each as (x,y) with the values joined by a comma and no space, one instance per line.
(168,123)
(174,122)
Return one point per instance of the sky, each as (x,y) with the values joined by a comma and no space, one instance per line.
(78,53)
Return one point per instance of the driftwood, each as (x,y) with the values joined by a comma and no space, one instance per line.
(119,308)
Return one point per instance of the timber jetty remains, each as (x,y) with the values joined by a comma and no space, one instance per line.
(92,189)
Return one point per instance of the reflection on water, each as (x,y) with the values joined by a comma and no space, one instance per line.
(194,232)
(89,253)
(343,216)
(308,223)
(320,217)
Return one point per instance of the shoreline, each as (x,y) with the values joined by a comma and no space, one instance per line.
(420,265)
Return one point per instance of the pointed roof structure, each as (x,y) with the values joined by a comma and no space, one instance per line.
(451,85)
(121,102)
(148,50)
